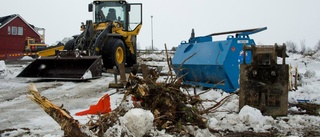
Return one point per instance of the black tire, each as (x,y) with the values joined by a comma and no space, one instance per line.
(111,51)
(69,45)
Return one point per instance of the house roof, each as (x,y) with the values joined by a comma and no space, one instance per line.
(7,19)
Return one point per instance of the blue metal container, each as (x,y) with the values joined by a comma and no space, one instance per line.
(213,63)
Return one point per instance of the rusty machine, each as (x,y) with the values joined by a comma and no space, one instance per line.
(209,63)
(264,82)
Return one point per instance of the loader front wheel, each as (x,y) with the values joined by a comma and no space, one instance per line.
(119,55)
(113,53)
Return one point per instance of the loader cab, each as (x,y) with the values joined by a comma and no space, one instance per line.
(129,15)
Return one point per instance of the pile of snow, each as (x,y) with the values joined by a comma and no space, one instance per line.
(310,74)
(153,57)
(26,58)
(2,65)
(308,78)
(136,122)
(7,72)
(316,56)
(253,117)
(2,69)
(158,60)
(87,75)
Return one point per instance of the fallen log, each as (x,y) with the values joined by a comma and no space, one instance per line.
(70,126)
(311,109)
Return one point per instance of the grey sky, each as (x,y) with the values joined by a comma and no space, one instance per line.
(294,20)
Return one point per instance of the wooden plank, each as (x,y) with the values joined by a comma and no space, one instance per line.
(122,72)
(116,85)
(145,71)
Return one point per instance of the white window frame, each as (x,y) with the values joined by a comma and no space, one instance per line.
(20,31)
(9,30)
(14,30)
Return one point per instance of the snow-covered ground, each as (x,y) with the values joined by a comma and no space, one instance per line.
(19,116)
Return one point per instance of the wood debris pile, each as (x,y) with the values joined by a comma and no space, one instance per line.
(173,108)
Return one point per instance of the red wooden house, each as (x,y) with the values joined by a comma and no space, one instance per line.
(13,33)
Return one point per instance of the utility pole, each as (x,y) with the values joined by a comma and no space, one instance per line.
(151,32)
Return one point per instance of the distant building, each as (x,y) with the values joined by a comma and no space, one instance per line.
(13,33)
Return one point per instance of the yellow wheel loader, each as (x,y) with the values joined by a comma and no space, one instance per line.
(111,35)
(33,46)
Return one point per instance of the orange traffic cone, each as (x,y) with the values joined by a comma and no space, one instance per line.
(102,107)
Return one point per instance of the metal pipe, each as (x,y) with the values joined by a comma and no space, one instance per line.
(151,32)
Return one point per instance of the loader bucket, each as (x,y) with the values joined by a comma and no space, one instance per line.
(68,68)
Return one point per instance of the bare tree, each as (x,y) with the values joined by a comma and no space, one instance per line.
(317,47)
(303,47)
(291,47)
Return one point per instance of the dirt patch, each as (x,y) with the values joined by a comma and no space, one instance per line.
(306,108)
(249,134)
(22,131)
(50,87)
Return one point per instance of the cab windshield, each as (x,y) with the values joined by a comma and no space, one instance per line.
(105,11)
(109,11)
